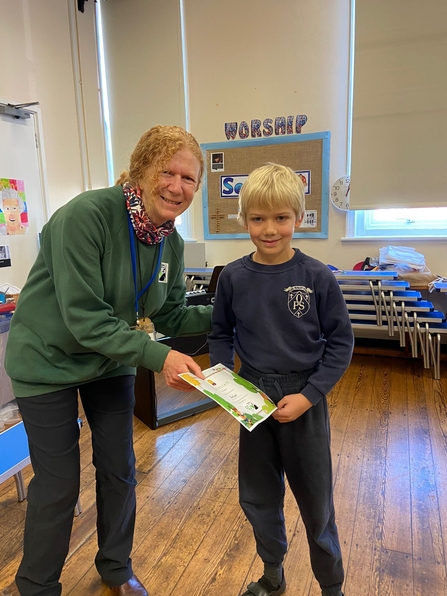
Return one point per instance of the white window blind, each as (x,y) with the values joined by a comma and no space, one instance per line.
(399,130)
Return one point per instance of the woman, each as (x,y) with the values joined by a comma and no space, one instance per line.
(110,265)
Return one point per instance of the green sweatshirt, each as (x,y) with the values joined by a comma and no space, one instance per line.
(74,316)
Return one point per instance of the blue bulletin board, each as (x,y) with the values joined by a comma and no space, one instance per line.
(228,164)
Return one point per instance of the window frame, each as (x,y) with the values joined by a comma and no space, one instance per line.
(360,224)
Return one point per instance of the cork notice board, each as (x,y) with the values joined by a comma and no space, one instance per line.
(228,165)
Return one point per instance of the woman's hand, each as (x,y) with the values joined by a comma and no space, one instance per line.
(177,363)
(291,407)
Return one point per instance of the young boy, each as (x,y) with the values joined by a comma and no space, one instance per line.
(285,316)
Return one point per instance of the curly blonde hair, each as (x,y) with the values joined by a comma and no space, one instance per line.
(155,149)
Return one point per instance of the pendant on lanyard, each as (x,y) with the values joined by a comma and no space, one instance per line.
(143,324)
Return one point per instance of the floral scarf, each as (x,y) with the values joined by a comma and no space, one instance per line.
(145,230)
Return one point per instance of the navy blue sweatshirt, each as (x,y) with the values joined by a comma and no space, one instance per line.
(282,319)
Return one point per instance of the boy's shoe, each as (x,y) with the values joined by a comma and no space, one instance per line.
(263,587)
(326,593)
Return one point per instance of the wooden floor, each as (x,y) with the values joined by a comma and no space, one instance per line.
(389,445)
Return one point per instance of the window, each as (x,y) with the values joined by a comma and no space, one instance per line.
(398,223)
(382,112)
(183,225)
(104,96)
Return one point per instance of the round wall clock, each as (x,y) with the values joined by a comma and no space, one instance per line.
(340,193)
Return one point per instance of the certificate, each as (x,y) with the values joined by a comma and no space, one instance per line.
(240,398)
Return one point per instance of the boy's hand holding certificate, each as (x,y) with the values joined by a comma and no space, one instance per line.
(243,400)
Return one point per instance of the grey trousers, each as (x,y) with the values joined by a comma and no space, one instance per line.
(299,450)
(51,424)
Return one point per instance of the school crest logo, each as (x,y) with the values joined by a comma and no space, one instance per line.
(298,300)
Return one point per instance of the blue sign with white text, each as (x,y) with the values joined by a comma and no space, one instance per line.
(230,186)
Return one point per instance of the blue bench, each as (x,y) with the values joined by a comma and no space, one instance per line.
(14,456)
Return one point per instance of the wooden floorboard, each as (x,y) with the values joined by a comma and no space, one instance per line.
(389,448)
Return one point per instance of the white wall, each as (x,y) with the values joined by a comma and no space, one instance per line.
(36,65)
(246,60)
(265,59)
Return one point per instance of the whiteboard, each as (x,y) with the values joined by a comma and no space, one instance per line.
(21,159)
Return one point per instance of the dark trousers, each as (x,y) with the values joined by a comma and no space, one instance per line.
(300,450)
(53,433)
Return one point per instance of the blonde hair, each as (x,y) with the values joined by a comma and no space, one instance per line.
(269,187)
(155,149)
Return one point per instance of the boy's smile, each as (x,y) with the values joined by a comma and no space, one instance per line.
(271,231)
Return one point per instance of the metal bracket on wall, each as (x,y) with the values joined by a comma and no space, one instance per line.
(16,111)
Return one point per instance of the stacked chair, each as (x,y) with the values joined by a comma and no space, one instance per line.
(379,300)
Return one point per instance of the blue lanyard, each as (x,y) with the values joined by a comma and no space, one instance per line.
(134,265)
